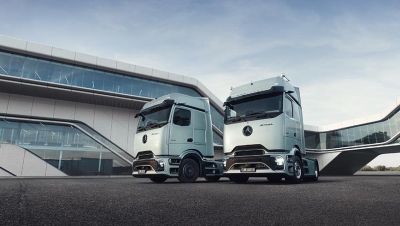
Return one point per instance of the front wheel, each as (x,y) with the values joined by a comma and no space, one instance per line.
(188,171)
(239,179)
(297,176)
(158,179)
(212,179)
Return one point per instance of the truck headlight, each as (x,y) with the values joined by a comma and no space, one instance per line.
(279,161)
(160,164)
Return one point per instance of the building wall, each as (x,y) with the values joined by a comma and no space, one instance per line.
(116,124)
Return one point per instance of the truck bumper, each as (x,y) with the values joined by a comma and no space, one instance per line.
(259,166)
(155,167)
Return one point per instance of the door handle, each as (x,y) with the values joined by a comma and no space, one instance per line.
(190,140)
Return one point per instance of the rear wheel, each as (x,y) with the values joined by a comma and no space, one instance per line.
(212,179)
(158,179)
(239,179)
(298,174)
(188,171)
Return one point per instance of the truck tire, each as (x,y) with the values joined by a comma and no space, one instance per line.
(188,171)
(239,179)
(298,172)
(158,179)
(212,179)
(274,179)
(316,172)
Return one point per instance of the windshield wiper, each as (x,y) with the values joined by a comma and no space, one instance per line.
(237,118)
(158,124)
(141,128)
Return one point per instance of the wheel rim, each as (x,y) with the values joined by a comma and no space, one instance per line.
(316,171)
(188,171)
(297,170)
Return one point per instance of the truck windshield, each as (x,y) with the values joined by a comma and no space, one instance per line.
(256,106)
(156,118)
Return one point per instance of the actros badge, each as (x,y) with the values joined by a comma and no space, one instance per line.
(144,139)
(247,131)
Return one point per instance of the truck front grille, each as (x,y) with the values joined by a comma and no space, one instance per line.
(150,162)
(267,160)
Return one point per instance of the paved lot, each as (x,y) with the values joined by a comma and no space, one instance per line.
(353,200)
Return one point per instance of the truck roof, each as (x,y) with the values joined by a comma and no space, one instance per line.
(270,85)
(196,102)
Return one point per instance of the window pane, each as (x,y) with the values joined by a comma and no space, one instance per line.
(161,89)
(127,85)
(54,73)
(175,89)
(42,70)
(153,89)
(88,79)
(182,117)
(136,83)
(386,130)
(364,134)
(5,61)
(17,63)
(393,126)
(66,74)
(372,133)
(77,76)
(144,89)
(29,68)
(98,80)
(358,136)
(118,83)
(168,88)
(108,82)
(288,108)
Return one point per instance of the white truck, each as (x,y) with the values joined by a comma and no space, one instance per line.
(264,135)
(174,139)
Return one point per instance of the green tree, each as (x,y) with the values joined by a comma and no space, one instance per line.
(380,168)
(367,168)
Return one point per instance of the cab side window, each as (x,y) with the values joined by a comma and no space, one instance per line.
(296,112)
(288,107)
(181,117)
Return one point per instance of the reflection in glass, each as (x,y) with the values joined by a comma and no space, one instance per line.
(64,147)
(66,74)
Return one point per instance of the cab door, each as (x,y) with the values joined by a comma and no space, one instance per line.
(290,124)
(181,135)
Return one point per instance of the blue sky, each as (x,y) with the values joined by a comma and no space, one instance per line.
(344,55)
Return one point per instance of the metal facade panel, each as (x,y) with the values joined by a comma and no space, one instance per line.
(85,59)
(85,113)
(38,49)
(143,70)
(43,107)
(106,63)
(12,43)
(62,54)
(20,105)
(64,110)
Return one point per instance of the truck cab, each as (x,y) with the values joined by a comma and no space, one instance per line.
(264,135)
(174,140)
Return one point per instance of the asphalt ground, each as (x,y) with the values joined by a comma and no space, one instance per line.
(352,200)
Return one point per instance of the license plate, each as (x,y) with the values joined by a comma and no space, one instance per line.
(141,171)
(248,170)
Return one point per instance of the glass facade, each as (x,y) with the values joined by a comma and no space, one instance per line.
(372,133)
(76,76)
(64,147)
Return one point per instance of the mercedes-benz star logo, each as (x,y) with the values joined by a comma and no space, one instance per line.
(247,131)
(144,139)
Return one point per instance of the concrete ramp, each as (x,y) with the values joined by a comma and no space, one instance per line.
(21,162)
